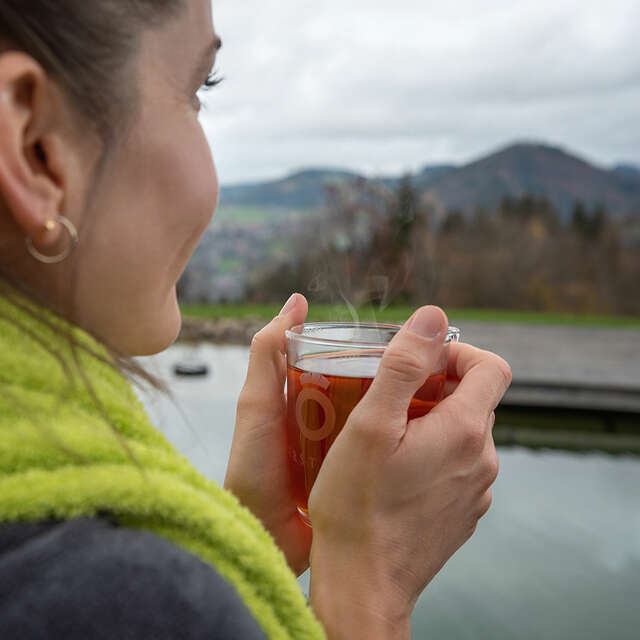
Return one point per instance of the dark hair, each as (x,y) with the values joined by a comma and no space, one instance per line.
(85,47)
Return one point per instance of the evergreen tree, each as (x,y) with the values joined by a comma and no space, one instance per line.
(579,218)
(403,214)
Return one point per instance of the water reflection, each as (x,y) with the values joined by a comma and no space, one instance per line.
(557,556)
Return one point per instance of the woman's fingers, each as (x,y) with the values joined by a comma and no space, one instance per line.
(477,378)
(408,361)
(266,374)
(465,416)
(461,356)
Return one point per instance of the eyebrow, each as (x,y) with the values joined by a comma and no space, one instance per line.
(211,51)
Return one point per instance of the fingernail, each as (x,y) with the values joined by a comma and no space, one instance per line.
(291,303)
(428,322)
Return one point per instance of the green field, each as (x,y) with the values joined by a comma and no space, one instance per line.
(239,214)
(398,314)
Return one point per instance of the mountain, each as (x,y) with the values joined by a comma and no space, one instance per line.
(306,189)
(301,190)
(430,173)
(627,171)
(421,179)
(516,170)
(536,169)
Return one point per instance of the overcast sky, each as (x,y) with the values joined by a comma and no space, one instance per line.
(384,87)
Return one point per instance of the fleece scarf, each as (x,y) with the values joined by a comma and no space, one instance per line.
(62,458)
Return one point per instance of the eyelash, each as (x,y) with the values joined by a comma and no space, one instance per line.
(213,80)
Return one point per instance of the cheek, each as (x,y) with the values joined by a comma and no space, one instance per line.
(143,226)
(149,217)
(186,193)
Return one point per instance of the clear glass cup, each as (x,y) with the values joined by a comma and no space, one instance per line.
(330,366)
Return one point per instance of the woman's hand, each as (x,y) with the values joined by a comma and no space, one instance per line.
(258,471)
(395,499)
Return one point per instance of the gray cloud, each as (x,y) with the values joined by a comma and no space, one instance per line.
(385,87)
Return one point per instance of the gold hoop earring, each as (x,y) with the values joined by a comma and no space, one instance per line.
(73,235)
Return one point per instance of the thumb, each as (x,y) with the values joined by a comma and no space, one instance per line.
(408,361)
(267,370)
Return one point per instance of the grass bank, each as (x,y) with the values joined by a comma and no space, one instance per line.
(398,314)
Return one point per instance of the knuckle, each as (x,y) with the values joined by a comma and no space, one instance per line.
(405,365)
(250,403)
(503,370)
(491,468)
(258,341)
(358,422)
(245,401)
(362,429)
(356,419)
(485,504)
(475,436)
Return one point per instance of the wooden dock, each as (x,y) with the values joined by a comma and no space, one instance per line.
(567,367)
(573,388)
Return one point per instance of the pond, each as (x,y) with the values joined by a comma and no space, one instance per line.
(557,556)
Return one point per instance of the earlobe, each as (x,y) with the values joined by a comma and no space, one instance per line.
(31,193)
(63,255)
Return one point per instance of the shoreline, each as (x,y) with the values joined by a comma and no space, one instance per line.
(238,331)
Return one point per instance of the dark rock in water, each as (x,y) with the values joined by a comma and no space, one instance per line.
(190,369)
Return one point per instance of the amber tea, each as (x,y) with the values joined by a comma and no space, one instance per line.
(323,389)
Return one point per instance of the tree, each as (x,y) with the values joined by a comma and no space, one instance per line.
(454,222)
(579,218)
(597,222)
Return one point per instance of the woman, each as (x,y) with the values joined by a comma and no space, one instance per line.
(106,185)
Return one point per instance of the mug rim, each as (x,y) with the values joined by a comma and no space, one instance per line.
(297,333)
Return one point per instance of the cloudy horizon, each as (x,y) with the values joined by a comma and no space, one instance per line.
(380,91)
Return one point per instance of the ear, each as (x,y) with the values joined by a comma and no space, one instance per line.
(31,149)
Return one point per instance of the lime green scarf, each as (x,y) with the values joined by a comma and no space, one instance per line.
(59,459)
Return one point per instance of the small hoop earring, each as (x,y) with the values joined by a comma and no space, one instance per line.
(73,235)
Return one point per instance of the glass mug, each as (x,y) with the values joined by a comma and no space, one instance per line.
(330,366)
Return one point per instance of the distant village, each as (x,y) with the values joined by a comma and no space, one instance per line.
(567,233)
(230,254)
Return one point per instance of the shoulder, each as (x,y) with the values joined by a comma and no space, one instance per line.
(90,578)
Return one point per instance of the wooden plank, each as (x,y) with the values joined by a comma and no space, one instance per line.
(573,396)
(590,357)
